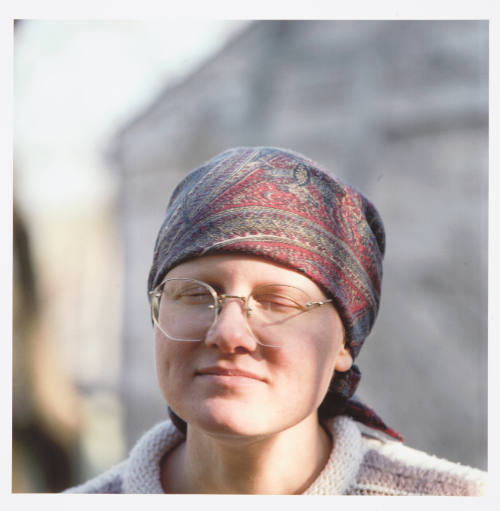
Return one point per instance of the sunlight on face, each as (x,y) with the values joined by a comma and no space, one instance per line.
(230,383)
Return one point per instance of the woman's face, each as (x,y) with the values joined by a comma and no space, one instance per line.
(276,388)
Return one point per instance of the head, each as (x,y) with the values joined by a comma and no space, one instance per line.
(267,206)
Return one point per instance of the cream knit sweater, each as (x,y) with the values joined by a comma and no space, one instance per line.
(359,464)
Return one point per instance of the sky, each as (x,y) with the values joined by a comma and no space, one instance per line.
(77,82)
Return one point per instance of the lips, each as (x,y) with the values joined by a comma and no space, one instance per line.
(228,371)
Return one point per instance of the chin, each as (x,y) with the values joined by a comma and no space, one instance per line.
(228,419)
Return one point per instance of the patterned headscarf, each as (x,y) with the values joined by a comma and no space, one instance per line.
(282,206)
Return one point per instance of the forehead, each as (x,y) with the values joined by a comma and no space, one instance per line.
(235,269)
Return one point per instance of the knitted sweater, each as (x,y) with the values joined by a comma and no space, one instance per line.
(360,464)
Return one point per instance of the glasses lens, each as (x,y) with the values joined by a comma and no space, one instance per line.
(187,310)
(276,305)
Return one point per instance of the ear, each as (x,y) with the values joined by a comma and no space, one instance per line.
(344,360)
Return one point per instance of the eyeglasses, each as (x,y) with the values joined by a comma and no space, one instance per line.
(186,309)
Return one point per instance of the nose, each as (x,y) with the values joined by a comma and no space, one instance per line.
(231,333)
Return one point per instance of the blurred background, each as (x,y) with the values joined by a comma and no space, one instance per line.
(109,115)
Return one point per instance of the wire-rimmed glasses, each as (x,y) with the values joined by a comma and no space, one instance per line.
(185,309)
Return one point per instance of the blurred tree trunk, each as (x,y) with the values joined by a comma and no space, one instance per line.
(43,444)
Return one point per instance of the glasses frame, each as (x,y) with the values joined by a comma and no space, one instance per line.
(219,301)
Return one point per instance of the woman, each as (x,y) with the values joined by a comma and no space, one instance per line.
(265,282)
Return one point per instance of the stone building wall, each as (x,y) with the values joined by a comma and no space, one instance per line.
(398,109)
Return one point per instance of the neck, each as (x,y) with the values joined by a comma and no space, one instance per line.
(283,463)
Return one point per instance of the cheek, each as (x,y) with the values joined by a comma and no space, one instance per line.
(302,374)
(172,365)
(162,363)
(310,362)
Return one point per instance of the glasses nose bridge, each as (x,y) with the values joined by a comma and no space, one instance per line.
(221,300)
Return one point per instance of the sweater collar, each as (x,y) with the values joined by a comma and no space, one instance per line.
(142,474)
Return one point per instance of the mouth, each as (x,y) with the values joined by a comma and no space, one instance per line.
(232,373)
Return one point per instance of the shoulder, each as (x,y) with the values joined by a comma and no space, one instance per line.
(140,472)
(391,468)
(110,481)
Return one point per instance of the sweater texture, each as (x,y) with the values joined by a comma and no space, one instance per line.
(360,463)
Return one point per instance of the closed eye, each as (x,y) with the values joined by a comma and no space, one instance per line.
(196,298)
(188,295)
(275,303)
